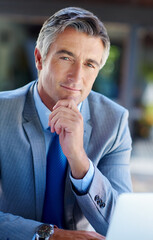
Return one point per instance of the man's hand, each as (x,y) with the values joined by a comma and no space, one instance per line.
(60,234)
(67,121)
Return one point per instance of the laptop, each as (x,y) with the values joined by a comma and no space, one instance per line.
(132,218)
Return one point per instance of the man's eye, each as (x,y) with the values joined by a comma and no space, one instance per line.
(65,58)
(90,65)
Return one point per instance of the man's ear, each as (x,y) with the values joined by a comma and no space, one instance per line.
(38,59)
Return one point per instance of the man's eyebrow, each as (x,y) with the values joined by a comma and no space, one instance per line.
(66,52)
(94,62)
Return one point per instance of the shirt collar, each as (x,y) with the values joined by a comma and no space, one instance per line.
(42,110)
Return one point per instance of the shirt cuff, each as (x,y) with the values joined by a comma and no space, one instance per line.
(82,185)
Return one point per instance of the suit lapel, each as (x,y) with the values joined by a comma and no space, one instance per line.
(35,135)
(85,111)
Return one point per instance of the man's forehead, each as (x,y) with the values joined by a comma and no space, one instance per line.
(76,42)
(72,31)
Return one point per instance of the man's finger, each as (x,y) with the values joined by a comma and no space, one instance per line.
(69,103)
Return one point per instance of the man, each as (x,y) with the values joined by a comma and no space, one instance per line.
(93,132)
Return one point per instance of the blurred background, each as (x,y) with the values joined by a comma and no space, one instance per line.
(127,77)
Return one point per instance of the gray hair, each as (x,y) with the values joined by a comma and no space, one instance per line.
(77,18)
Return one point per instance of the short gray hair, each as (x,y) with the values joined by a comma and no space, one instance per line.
(77,18)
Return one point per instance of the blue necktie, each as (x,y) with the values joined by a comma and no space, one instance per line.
(53,211)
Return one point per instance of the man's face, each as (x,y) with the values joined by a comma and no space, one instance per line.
(70,69)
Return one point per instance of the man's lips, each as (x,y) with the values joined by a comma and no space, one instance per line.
(71,88)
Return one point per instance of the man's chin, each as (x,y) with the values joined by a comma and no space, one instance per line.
(77,100)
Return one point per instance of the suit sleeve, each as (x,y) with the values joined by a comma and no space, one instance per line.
(111,178)
(15,227)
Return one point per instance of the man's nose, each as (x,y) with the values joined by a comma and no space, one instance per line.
(76,73)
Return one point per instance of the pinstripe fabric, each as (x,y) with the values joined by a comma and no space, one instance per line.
(23,165)
(18,194)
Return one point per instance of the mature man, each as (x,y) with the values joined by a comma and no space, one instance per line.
(78,189)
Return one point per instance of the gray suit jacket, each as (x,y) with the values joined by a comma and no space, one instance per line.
(23,165)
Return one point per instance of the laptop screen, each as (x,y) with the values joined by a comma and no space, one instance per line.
(132,218)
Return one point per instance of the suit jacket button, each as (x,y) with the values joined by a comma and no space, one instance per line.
(96,198)
(99,201)
(102,205)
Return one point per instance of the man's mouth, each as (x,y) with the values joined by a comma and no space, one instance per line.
(74,89)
